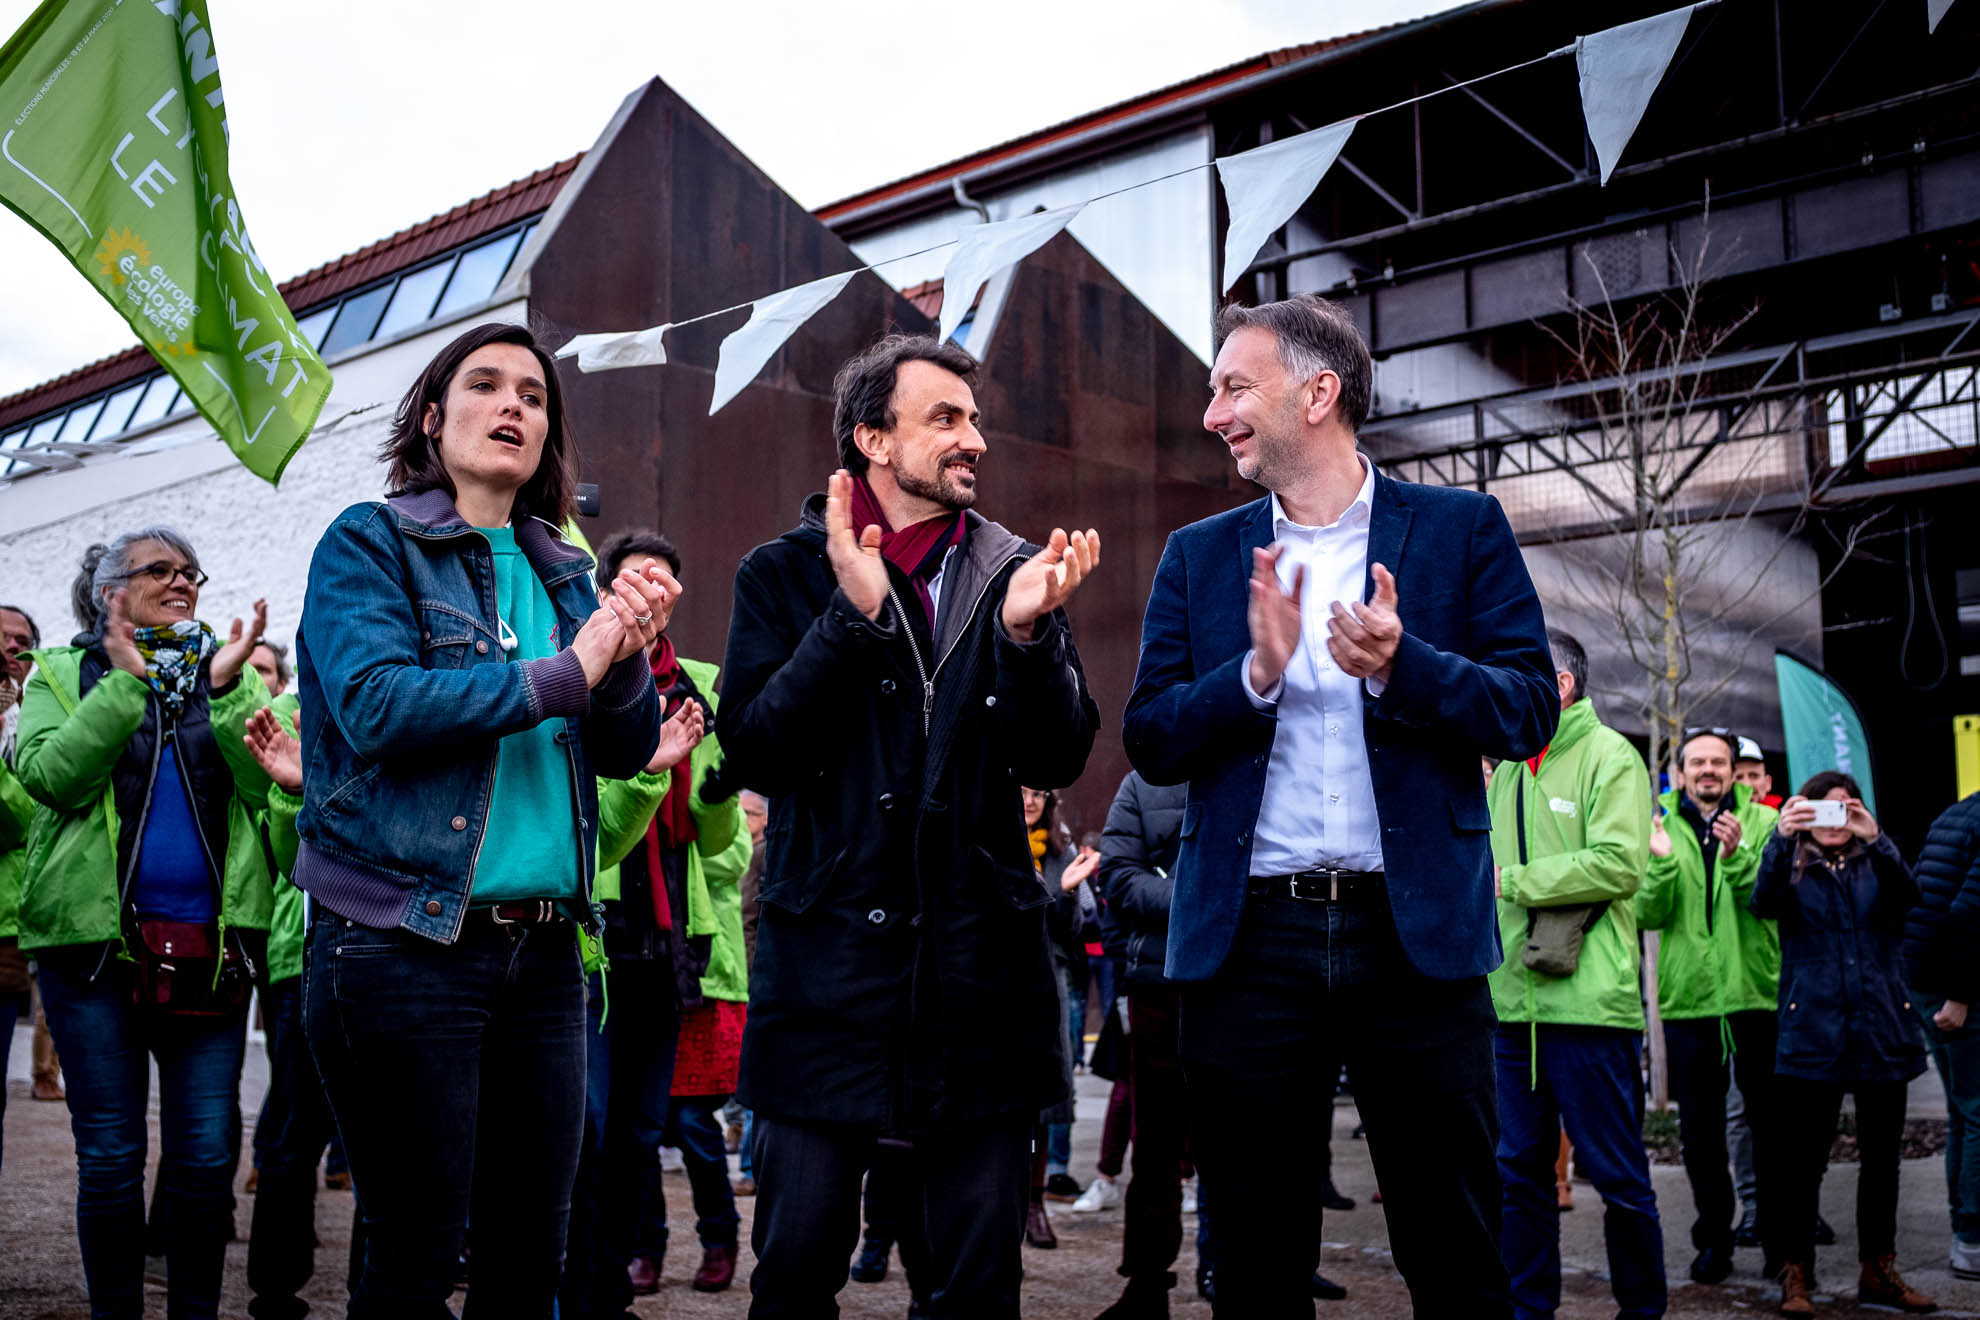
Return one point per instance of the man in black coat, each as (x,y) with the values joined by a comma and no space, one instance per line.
(897,667)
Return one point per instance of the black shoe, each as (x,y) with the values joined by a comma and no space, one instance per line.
(1206,1283)
(1144,1299)
(1326,1290)
(1061,1187)
(871,1267)
(1748,1232)
(1825,1236)
(1331,1198)
(1711,1265)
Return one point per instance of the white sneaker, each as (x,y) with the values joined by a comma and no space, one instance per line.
(1099,1194)
(1965,1259)
(671,1161)
(1189,1197)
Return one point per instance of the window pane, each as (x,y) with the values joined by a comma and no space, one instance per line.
(116,413)
(480,270)
(356,320)
(412,303)
(81,419)
(156,400)
(181,404)
(316,325)
(41,432)
(12,440)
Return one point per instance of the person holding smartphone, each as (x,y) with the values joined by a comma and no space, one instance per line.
(1840,891)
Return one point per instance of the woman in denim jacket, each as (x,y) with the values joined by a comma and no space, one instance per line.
(460,688)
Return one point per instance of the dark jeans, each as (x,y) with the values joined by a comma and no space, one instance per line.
(1808,1112)
(13,1006)
(295,1127)
(1306,985)
(456,1076)
(968,1191)
(1957,1056)
(694,1125)
(1590,1085)
(1700,1074)
(628,1068)
(1152,1235)
(105,1041)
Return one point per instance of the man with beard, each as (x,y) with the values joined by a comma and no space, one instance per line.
(897,667)
(1718,972)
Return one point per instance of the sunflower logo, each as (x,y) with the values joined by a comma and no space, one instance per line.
(110,252)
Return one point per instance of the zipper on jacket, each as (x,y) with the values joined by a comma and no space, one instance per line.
(219,875)
(920,666)
(137,844)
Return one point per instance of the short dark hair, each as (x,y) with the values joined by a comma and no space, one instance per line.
(414,455)
(617,548)
(864,388)
(34,629)
(1314,335)
(1726,736)
(281,654)
(1820,783)
(1569,658)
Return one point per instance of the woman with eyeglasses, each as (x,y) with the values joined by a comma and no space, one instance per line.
(146,902)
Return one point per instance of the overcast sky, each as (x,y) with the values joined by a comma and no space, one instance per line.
(353,120)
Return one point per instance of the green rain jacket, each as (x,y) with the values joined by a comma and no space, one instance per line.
(1587,841)
(67,748)
(1715,956)
(715,865)
(16,814)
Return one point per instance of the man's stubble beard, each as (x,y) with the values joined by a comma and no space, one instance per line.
(942,490)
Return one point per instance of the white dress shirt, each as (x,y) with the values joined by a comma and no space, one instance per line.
(1318,809)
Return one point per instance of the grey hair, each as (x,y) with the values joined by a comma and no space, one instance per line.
(1570,658)
(1314,335)
(104,566)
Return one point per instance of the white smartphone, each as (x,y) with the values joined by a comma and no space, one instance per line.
(1830,814)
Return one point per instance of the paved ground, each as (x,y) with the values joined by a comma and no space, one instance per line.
(40,1275)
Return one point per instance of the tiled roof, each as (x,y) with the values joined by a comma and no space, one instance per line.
(1110,116)
(927,298)
(485,214)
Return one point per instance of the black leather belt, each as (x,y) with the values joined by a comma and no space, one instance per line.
(526,912)
(1322,886)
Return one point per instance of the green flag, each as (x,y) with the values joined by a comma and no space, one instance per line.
(113,143)
(1822,727)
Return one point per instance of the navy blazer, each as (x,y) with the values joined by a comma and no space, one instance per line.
(1473,676)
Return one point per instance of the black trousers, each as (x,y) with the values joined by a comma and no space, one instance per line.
(1152,1233)
(1704,1057)
(298,1127)
(967,1189)
(1808,1112)
(1307,985)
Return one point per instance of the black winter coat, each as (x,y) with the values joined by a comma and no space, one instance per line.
(1845,1013)
(903,979)
(1942,935)
(1137,874)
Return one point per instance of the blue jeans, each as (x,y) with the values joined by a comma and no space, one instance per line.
(456,1076)
(106,1044)
(629,1069)
(1957,1055)
(694,1124)
(1589,1084)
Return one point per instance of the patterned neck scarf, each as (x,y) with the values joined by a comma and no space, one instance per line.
(172,656)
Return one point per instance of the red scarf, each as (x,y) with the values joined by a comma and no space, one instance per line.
(918,550)
(673,823)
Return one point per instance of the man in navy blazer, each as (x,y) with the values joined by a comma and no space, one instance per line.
(1325,667)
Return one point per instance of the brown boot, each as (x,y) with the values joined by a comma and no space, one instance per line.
(718,1269)
(1796,1280)
(1881,1285)
(1038,1228)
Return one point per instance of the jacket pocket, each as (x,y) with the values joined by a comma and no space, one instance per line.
(1023,886)
(796,894)
(446,636)
(1468,815)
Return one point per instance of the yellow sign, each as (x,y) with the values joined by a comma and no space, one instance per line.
(1966,753)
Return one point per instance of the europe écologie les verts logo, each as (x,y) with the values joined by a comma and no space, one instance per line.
(158,300)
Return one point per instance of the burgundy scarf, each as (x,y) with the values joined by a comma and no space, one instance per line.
(918,550)
(673,823)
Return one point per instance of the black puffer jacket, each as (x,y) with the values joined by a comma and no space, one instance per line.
(1942,935)
(902,980)
(1137,874)
(1845,1013)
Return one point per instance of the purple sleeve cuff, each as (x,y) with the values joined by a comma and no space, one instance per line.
(557,686)
(624,684)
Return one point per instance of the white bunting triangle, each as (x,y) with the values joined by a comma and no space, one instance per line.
(1265,186)
(984,250)
(771,321)
(632,348)
(1934,11)
(1620,69)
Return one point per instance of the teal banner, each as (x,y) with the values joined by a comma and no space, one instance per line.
(1822,726)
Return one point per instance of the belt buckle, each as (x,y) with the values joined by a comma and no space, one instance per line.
(544,908)
(1296,886)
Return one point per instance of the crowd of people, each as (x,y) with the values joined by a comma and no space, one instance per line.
(581,897)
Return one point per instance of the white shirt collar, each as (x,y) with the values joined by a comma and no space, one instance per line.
(1357,513)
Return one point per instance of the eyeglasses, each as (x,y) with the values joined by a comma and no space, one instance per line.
(165,574)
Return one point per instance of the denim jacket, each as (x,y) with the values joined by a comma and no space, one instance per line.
(405,693)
